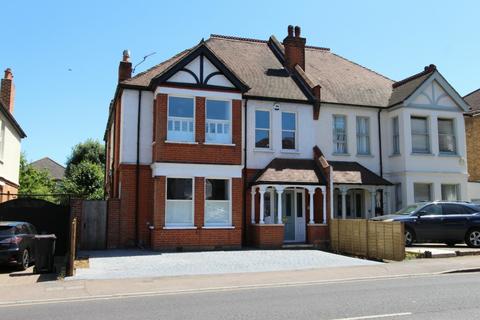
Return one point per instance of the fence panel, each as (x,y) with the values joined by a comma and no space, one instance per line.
(94,225)
(372,239)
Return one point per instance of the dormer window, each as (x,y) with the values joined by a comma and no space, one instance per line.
(181,121)
(218,122)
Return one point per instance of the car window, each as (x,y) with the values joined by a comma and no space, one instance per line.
(32,229)
(431,209)
(452,209)
(6,230)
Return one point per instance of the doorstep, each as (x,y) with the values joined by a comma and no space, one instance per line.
(291,246)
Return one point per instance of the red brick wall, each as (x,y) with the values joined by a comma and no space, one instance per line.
(268,236)
(113,223)
(318,235)
(200,152)
(198,237)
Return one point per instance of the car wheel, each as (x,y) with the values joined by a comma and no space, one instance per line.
(409,237)
(472,239)
(25,260)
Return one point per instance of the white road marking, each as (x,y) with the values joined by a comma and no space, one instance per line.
(378,316)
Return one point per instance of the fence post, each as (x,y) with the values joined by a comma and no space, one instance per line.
(72,251)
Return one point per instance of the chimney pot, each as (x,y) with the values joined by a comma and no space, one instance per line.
(126,55)
(7,90)
(290,31)
(297,31)
(8,74)
(125,67)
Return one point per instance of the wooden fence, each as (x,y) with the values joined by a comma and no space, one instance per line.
(371,239)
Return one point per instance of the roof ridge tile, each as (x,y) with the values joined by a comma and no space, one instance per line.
(428,69)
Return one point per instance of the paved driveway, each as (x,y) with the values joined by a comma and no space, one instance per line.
(118,264)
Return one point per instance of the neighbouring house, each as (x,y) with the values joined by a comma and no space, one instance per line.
(472,126)
(54,169)
(240,141)
(11,135)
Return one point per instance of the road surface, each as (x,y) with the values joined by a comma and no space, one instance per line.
(452,296)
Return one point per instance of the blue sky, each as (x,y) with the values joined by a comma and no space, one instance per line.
(42,40)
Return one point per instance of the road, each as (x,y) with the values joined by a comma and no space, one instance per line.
(452,296)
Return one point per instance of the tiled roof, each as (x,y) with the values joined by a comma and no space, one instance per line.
(473,100)
(56,170)
(346,172)
(12,120)
(291,171)
(406,87)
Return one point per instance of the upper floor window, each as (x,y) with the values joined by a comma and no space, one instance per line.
(262,129)
(396,136)
(181,120)
(289,125)
(420,135)
(179,210)
(446,136)
(363,135)
(218,122)
(339,134)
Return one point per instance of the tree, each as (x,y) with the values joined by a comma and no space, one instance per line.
(34,181)
(85,179)
(90,151)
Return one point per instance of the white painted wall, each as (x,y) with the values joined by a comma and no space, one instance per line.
(10,163)
(474,192)
(128,131)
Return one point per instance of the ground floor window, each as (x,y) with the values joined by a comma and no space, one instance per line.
(450,192)
(217,203)
(179,209)
(422,192)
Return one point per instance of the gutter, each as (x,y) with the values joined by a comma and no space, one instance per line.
(137,172)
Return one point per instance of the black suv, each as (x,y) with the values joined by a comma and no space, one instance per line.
(439,221)
(17,243)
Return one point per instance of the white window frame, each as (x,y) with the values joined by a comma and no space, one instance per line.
(365,135)
(178,225)
(335,141)
(169,138)
(454,130)
(430,189)
(216,225)
(222,122)
(395,136)
(270,147)
(427,134)
(287,130)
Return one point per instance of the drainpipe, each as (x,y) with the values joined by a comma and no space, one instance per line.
(380,143)
(245,184)
(137,173)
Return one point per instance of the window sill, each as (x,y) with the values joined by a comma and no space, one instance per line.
(449,155)
(219,144)
(341,154)
(428,154)
(181,142)
(263,150)
(393,155)
(179,228)
(362,155)
(290,151)
(218,227)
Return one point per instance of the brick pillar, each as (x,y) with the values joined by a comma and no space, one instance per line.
(160,120)
(200,119)
(237,122)
(199,207)
(113,227)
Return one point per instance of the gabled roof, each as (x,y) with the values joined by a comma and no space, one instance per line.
(473,100)
(56,170)
(403,89)
(349,172)
(12,120)
(291,171)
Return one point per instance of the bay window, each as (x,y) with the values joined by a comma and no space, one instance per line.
(420,135)
(339,134)
(363,135)
(217,203)
(422,192)
(218,122)
(181,121)
(289,125)
(262,129)
(450,192)
(446,136)
(179,209)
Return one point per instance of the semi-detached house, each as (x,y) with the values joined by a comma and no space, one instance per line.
(242,141)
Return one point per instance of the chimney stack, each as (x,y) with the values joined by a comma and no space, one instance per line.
(294,48)
(125,67)
(7,90)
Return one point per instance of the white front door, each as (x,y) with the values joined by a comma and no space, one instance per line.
(294,215)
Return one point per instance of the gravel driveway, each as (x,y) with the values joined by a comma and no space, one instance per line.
(118,264)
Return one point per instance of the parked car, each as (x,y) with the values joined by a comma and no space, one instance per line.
(439,221)
(17,243)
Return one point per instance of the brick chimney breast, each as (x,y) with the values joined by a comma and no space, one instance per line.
(294,48)
(125,67)
(7,90)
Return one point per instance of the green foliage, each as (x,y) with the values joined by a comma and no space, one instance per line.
(34,181)
(85,180)
(89,151)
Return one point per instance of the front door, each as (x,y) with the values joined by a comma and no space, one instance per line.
(294,215)
(357,203)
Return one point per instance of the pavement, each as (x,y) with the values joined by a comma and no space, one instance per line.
(440,250)
(302,294)
(122,264)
